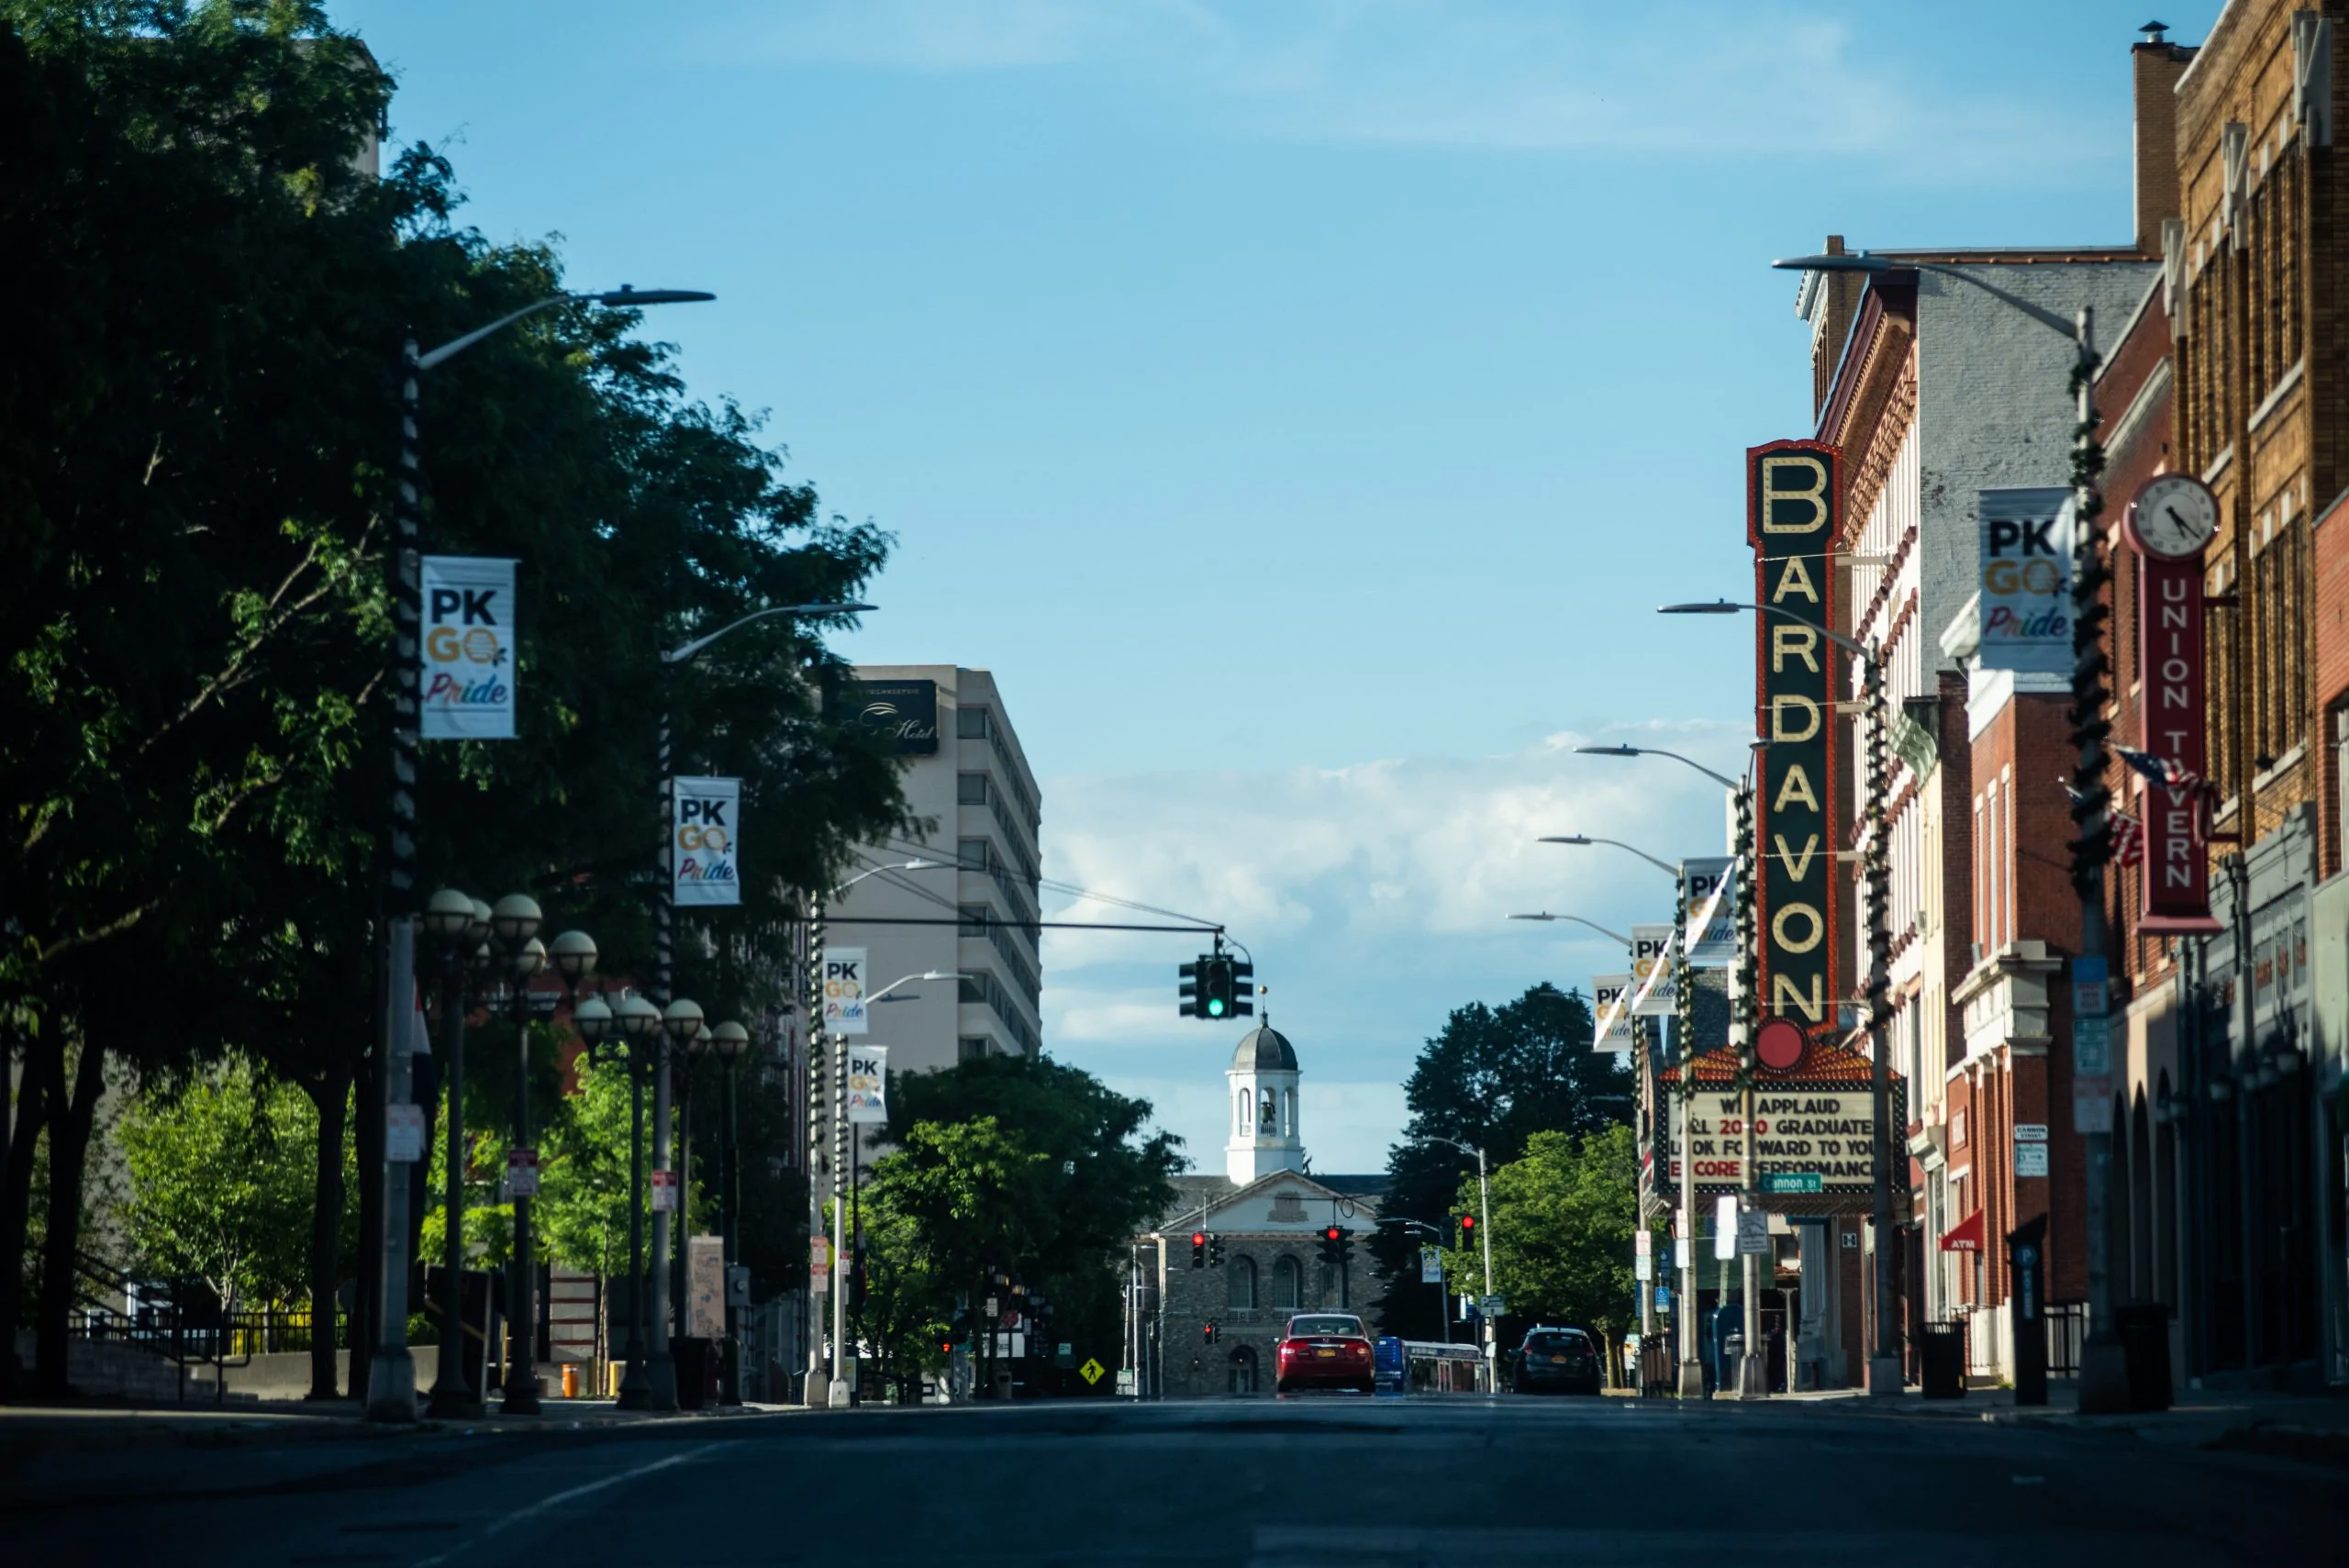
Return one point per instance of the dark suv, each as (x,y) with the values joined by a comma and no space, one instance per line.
(1563,1359)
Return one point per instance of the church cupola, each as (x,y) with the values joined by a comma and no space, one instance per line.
(1264,1135)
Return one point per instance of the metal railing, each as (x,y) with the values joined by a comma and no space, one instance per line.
(2067,1330)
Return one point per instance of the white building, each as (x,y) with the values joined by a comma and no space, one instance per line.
(968,778)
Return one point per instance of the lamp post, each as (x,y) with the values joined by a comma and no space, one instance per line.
(731,1042)
(463,925)
(391,1382)
(1753,1368)
(573,956)
(843,1150)
(1484,1229)
(2104,1371)
(1884,1359)
(1442,1316)
(679,1022)
(1545,915)
(1691,1371)
(515,919)
(628,1027)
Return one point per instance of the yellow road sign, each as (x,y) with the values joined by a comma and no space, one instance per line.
(1090,1370)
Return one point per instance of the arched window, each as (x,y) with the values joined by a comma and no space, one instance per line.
(1288,1285)
(1240,1284)
(1240,1112)
(1268,1120)
(1290,1094)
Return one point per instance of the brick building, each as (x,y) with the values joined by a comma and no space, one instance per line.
(1210,1324)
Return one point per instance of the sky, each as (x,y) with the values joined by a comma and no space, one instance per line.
(1301,407)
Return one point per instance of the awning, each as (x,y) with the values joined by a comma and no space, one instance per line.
(1965,1236)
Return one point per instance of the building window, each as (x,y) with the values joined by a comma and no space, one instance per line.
(1240,1286)
(972,1048)
(1288,1285)
(972,789)
(976,854)
(1268,1118)
(974,920)
(972,724)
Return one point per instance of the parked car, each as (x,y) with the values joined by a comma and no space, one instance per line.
(1555,1358)
(1325,1350)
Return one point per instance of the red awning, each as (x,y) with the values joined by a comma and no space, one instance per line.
(1965,1236)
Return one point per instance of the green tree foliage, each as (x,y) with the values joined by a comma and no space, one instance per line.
(220,1183)
(196,432)
(1493,1078)
(1561,1223)
(1016,1165)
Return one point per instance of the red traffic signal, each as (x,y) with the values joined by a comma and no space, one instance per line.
(1332,1234)
(1199,1249)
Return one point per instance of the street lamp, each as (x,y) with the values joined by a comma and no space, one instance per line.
(2104,1372)
(1484,1229)
(843,1356)
(463,924)
(1692,1366)
(391,1370)
(1442,1306)
(1753,1368)
(516,919)
(731,1042)
(1884,1362)
(1545,915)
(627,1029)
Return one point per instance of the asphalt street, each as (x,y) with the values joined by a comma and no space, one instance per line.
(1299,1483)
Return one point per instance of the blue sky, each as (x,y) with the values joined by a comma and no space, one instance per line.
(1301,408)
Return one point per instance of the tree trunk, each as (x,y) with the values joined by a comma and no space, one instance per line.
(332,1099)
(69,1140)
(15,1207)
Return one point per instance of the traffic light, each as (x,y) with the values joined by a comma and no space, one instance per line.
(1193,989)
(1215,1251)
(1239,986)
(1207,1330)
(1467,1230)
(1332,1241)
(1199,1249)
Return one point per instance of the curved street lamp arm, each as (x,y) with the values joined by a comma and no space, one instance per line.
(456,346)
(679,654)
(1856,649)
(1658,751)
(1610,936)
(1665,866)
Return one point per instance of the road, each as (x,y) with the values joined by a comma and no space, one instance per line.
(1305,1483)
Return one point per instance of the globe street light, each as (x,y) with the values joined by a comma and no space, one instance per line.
(515,919)
(463,924)
(635,1021)
(391,1370)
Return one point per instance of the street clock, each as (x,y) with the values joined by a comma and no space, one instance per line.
(2174,516)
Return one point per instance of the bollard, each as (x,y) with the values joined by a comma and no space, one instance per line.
(570,1380)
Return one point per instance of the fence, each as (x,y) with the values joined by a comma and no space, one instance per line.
(2067,1330)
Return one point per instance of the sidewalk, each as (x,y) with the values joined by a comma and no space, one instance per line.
(2294,1425)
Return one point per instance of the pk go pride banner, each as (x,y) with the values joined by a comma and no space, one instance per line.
(465,690)
(703,850)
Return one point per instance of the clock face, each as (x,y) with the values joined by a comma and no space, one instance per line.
(2174,515)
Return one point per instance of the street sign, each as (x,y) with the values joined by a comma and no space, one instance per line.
(1664,1299)
(404,1134)
(1491,1306)
(1125,1380)
(819,1251)
(1753,1232)
(2091,1104)
(2030,1132)
(664,1192)
(2030,1159)
(1725,1226)
(1643,1268)
(1642,1243)
(1791,1182)
(2091,1047)
(1091,1372)
(1683,1255)
(522,1172)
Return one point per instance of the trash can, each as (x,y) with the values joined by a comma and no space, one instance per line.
(2143,1327)
(696,1364)
(1943,1350)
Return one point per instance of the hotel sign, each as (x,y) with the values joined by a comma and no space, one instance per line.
(1792,496)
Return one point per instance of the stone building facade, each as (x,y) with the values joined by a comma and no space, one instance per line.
(1205,1320)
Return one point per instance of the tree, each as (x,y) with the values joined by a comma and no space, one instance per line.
(221,1182)
(1020,1165)
(1493,1077)
(1561,1231)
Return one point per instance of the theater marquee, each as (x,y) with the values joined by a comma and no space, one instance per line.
(1793,495)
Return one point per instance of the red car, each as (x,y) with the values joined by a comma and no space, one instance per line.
(1326,1350)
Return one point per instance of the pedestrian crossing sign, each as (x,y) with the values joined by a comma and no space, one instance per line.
(1091,1371)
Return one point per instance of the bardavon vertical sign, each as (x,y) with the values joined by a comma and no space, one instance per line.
(1793,492)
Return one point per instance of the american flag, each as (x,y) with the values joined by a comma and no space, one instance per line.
(2161,770)
(2128,840)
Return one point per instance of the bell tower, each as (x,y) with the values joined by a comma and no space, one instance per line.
(1263,1112)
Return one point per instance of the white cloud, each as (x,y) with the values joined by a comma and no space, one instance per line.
(1758,80)
(1374,897)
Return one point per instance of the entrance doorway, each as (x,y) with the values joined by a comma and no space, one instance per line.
(1241,1377)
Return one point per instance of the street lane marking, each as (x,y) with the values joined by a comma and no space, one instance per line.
(573,1496)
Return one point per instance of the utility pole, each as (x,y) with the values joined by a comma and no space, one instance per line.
(1753,1369)
(1492,1341)
(1883,1359)
(2104,1371)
